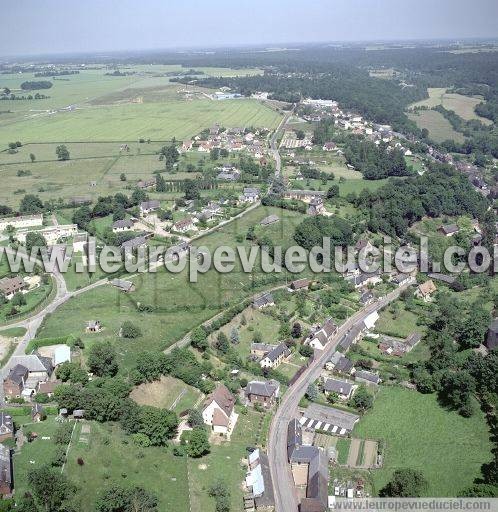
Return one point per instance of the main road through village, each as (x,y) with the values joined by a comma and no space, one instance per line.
(286,499)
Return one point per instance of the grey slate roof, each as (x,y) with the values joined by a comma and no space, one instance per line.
(265,389)
(337,386)
(371,377)
(274,354)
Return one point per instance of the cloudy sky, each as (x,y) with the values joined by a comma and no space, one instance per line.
(59,26)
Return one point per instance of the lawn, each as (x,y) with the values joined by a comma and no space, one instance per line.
(439,127)
(110,458)
(422,435)
(401,324)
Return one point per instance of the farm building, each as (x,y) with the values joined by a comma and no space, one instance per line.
(263,301)
(368,378)
(271,219)
(300,284)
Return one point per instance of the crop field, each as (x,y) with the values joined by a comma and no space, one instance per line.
(91,106)
(420,434)
(439,127)
(460,104)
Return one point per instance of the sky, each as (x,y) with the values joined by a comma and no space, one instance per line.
(68,26)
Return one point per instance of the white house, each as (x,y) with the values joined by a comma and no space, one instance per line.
(218,411)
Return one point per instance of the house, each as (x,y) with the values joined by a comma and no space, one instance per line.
(343,389)
(147,207)
(37,365)
(319,338)
(299,284)
(425,290)
(184,225)
(263,301)
(218,411)
(315,206)
(259,482)
(413,340)
(23,221)
(352,336)
(340,364)
(121,284)
(364,279)
(37,413)
(309,467)
(264,393)
(6,473)
(51,234)
(371,320)
(134,243)
(271,219)
(145,184)
(330,146)
(6,426)
(79,414)
(229,175)
(122,225)
(303,195)
(367,297)
(93,326)
(187,145)
(9,286)
(48,387)
(329,419)
(492,335)
(448,229)
(275,357)
(261,349)
(13,384)
(402,278)
(250,195)
(368,378)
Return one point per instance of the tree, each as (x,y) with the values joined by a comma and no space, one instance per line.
(191,190)
(234,336)
(362,399)
(119,499)
(170,155)
(130,330)
(102,360)
(222,343)
(160,184)
(82,217)
(306,350)
(138,196)
(198,338)
(311,392)
(18,300)
(32,157)
(34,240)
(456,391)
(195,418)
(122,176)
(198,443)
(333,191)
(312,230)
(49,488)
(30,204)
(158,424)
(405,483)
(296,330)
(62,152)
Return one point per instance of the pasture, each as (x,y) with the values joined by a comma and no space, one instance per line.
(460,104)
(420,434)
(439,127)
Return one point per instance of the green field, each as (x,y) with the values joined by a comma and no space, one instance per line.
(439,127)
(178,305)
(460,104)
(91,106)
(419,434)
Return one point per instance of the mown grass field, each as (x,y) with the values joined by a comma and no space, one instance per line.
(460,104)
(439,127)
(419,434)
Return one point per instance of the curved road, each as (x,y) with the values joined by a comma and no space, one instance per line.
(286,499)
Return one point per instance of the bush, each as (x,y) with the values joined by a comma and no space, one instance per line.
(130,331)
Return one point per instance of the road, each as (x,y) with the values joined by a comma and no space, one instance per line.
(273,142)
(286,499)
